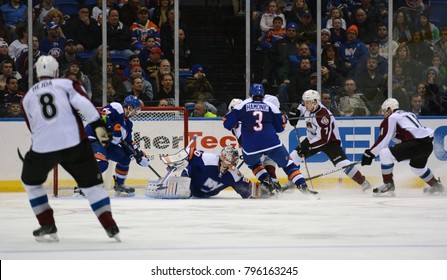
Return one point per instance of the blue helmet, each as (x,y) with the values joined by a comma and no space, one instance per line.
(257,90)
(133,101)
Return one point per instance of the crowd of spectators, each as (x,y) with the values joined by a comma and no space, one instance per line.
(354,58)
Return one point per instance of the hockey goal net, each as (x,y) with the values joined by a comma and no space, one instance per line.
(156,131)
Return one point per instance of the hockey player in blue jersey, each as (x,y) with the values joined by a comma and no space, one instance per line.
(119,126)
(211,173)
(260,122)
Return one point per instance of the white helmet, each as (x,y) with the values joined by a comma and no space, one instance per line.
(391,103)
(234,103)
(47,66)
(311,95)
(229,156)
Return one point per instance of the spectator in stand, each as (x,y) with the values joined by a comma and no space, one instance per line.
(115,81)
(11,94)
(201,111)
(97,10)
(257,7)
(53,44)
(147,93)
(281,49)
(13,12)
(440,47)
(440,80)
(402,95)
(155,78)
(113,95)
(69,55)
(416,105)
(163,103)
(277,33)
(197,87)
(382,33)
(4,55)
(152,64)
(57,17)
(325,40)
(420,51)
(365,26)
(160,12)
(298,8)
(92,67)
(42,9)
(129,11)
(4,33)
(307,29)
(331,80)
(332,60)
(74,69)
(372,12)
(404,81)
(151,41)
(133,60)
(351,102)
(352,50)
(22,61)
(137,90)
(403,56)
(382,63)
(372,85)
(338,33)
(185,54)
(118,35)
(21,43)
(336,13)
(268,16)
(142,28)
(38,27)
(402,27)
(430,76)
(431,103)
(84,30)
(429,31)
(167,36)
(14,110)
(167,90)
(327,102)
(6,68)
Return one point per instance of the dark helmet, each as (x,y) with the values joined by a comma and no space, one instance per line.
(257,90)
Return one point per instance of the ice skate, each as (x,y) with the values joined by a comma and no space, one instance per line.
(78,192)
(437,187)
(288,186)
(366,186)
(113,232)
(123,191)
(270,185)
(384,190)
(305,190)
(46,234)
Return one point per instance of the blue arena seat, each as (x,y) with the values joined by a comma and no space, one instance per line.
(118,59)
(67,7)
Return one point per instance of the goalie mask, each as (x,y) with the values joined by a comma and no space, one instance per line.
(229,156)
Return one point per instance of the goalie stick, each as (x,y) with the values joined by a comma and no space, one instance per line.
(332,171)
(132,150)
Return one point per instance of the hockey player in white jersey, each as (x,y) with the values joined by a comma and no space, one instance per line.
(414,142)
(260,122)
(322,135)
(58,137)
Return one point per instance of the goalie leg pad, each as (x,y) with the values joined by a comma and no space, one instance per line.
(174,188)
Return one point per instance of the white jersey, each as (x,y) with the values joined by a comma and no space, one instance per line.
(50,108)
(401,125)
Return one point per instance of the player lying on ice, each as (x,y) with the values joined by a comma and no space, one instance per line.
(121,149)
(206,175)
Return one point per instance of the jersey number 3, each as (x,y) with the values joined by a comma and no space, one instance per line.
(259,116)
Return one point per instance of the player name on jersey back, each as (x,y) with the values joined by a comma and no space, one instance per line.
(42,84)
(257,107)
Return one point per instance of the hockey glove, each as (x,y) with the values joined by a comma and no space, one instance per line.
(142,159)
(303,149)
(116,135)
(367,158)
(293,117)
(99,127)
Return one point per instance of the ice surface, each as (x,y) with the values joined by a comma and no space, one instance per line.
(344,224)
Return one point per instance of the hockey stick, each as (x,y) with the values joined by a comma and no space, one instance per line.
(172,169)
(132,150)
(332,171)
(20,154)
(304,159)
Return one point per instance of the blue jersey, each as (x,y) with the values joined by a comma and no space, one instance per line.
(114,114)
(206,178)
(260,122)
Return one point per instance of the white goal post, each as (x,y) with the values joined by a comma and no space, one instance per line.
(156,131)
